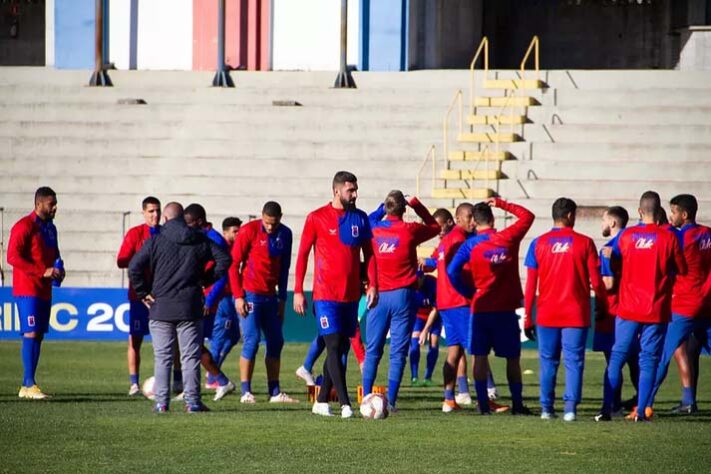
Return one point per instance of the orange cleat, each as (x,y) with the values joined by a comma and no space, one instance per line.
(496,408)
(449,406)
(648,414)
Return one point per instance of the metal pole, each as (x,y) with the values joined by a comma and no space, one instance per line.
(222,76)
(99,78)
(344,80)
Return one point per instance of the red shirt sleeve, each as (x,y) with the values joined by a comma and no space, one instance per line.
(127,250)
(524,220)
(308,239)
(20,245)
(240,250)
(370,264)
(530,296)
(430,228)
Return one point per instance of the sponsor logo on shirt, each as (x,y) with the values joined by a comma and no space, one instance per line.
(355,231)
(705,243)
(644,241)
(387,244)
(561,244)
(324,322)
(496,256)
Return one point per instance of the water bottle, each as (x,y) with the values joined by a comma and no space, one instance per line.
(59,265)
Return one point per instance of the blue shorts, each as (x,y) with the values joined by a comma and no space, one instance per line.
(208,324)
(226,327)
(499,331)
(34,314)
(603,341)
(435,330)
(333,317)
(457,325)
(138,319)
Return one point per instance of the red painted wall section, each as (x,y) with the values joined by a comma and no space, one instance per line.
(247,24)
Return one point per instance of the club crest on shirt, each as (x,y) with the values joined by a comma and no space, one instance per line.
(324,322)
(332,231)
(355,231)
(262,242)
(31,320)
(387,244)
(644,241)
(561,244)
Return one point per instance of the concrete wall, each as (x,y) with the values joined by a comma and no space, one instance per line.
(695,52)
(306,34)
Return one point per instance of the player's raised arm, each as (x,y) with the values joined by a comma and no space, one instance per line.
(308,239)
(429,229)
(377,215)
(524,219)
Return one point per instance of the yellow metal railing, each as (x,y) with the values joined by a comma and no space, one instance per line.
(431,155)
(456,100)
(483,46)
(533,47)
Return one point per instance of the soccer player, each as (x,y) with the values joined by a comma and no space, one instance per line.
(33,252)
(614,220)
(650,257)
(452,306)
(138,312)
(225,332)
(339,232)
(426,296)
(261,258)
(196,217)
(562,265)
(395,247)
(493,268)
(688,293)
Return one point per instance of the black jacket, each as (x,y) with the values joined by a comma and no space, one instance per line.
(176,259)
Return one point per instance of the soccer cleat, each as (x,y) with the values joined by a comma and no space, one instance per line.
(463,398)
(392,409)
(282,397)
(346,411)
(306,376)
(630,404)
(648,413)
(196,408)
(639,419)
(570,416)
(492,393)
(427,383)
(602,416)
(617,413)
(496,408)
(322,409)
(134,390)
(685,409)
(179,397)
(223,391)
(522,411)
(248,398)
(160,408)
(32,393)
(212,385)
(548,415)
(415,382)
(449,406)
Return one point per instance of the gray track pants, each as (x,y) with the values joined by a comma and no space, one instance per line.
(189,337)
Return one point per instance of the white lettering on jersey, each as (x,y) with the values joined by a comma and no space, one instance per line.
(387,248)
(643,243)
(560,247)
(705,244)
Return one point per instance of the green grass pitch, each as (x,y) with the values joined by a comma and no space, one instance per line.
(90,425)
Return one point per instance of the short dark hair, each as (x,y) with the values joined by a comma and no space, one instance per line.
(44,192)
(443,214)
(562,207)
(395,203)
(619,214)
(231,222)
(343,177)
(660,216)
(150,200)
(465,205)
(686,202)
(483,214)
(650,203)
(271,209)
(196,211)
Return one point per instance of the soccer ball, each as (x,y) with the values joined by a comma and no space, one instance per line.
(374,407)
(148,388)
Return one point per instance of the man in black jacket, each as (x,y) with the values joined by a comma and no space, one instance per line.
(176,259)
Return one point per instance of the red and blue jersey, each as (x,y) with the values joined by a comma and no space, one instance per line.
(563,264)
(688,292)
(651,256)
(261,261)
(338,236)
(132,243)
(426,297)
(395,245)
(220,288)
(493,264)
(33,247)
(609,267)
(447,296)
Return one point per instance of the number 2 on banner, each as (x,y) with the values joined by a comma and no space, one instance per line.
(102,313)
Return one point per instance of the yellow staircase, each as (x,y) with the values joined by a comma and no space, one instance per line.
(474,173)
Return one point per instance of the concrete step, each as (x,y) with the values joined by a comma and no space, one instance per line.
(461,155)
(470,174)
(495,119)
(514,84)
(591,170)
(462,193)
(488,138)
(631,133)
(633,97)
(615,152)
(622,115)
(516,101)
(610,189)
